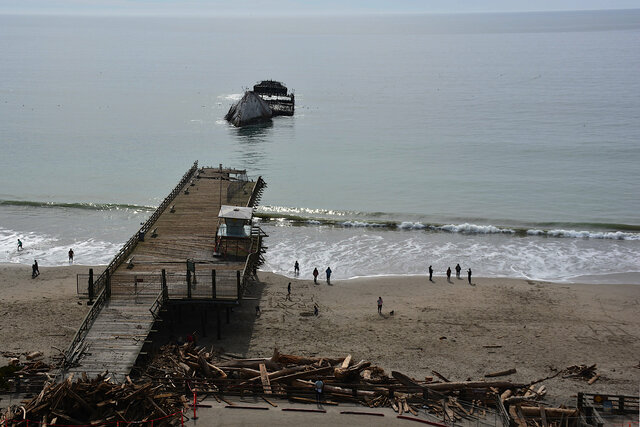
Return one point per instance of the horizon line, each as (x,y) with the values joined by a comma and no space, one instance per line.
(195,14)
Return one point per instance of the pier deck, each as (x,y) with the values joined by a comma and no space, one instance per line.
(151,270)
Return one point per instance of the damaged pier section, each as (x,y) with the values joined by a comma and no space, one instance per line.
(187,254)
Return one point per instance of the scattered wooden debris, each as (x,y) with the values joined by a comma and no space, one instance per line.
(501,373)
(98,401)
(579,371)
(177,371)
(584,372)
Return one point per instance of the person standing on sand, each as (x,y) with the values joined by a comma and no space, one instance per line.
(469,275)
(296,268)
(430,274)
(70,256)
(19,245)
(319,387)
(458,269)
(379,305)
(315,309)
(315,276)
(35,271)
(449,274)
(328,271)
(289,291)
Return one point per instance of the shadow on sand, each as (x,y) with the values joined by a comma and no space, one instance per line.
(201,320)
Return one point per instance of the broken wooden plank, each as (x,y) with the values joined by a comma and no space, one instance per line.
(266,385)
(346,361)
(439,375)
(501,373)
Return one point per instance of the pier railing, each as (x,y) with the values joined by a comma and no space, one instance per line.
(74,348)
(99,285)
(205,284)
(130,245)
(256,194)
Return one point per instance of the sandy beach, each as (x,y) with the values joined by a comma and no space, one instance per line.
(39,314)
(461,331)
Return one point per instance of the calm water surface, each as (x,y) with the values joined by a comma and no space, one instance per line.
(508,142)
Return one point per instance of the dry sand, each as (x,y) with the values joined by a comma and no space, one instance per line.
(453,327)
(39,314)
(458,330)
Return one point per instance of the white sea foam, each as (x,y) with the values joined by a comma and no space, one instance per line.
(365,251)
(52,251)
(475,229)
(407,225)
(536,232)
(320,216)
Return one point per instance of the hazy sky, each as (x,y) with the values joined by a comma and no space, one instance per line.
(301,7)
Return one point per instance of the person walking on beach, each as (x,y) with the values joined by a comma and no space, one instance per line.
(430,274)
(315,309)
(296,268)
(35,271)
(449,274)
(315,276)
(328,271)
(379,305)
(458,269)
(289,291)
(19,245)
(469,275)
(70,256)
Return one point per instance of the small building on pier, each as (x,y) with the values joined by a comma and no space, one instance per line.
(233,236)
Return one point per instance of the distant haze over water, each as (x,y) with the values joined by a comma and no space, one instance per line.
(507,142)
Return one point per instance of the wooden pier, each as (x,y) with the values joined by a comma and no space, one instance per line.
(173,259)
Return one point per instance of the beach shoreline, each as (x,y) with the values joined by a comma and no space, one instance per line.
(461,331)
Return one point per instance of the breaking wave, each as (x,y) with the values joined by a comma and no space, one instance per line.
(355,219)
(51,250)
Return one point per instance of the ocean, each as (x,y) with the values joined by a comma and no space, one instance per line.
(508,143)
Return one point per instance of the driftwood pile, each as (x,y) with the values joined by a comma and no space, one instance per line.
(181,372)
(98,401)
(293,377)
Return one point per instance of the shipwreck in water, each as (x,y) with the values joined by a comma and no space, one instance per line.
(268,99)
